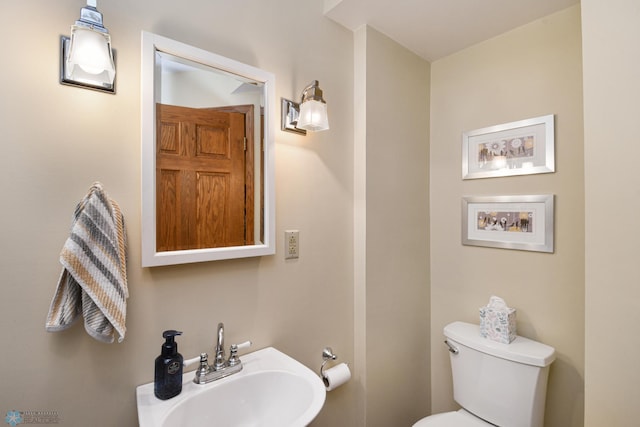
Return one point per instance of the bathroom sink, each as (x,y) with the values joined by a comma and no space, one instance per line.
(272,390)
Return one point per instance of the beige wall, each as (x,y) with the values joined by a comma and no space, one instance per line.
(57,140)
(611,93)
(393,270)
(531,71)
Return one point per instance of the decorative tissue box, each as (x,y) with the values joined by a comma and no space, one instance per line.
(497,321)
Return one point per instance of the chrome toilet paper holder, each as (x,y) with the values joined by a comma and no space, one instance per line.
(327,355)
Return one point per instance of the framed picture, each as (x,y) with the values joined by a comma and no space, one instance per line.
(519,148)
(509,222)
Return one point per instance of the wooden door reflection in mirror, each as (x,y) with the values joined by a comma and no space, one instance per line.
(204,178)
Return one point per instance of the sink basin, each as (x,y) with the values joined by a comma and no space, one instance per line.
(272,390)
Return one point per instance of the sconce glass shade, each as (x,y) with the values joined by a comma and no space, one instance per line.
(309,115)
(90,57)
(87,58)
(313,116)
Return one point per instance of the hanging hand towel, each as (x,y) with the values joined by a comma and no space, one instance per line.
(94,275)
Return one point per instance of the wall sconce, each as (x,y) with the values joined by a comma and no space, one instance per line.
(86,57)
(309,115)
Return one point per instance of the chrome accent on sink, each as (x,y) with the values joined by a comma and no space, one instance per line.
(220,368)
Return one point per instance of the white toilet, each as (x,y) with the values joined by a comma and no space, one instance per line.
(496,384)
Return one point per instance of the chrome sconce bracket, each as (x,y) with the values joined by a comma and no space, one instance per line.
(290,113)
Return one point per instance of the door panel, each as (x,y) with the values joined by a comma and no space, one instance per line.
(200,174)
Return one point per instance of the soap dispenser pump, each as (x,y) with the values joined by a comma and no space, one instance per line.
(168,373)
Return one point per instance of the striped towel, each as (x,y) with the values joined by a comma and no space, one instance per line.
(94,275)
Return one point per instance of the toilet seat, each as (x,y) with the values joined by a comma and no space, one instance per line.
(459,418)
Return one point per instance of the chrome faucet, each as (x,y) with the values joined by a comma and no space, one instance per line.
(219,360)
(220,368)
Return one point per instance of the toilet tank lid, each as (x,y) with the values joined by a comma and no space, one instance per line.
(521,350)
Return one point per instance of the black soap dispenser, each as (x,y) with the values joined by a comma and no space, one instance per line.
(168,376)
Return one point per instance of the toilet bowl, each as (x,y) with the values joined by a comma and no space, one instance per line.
(459,418)
(496,384)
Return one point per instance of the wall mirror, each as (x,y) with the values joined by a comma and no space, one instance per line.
(207,156)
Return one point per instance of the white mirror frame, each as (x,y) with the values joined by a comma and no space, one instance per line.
(150,257)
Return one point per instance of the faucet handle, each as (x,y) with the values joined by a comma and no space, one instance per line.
(233,356)
(241,346)
(203,369)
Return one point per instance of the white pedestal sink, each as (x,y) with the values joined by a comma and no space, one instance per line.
(272,390)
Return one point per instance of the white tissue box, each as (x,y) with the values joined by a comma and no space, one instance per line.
(497,321)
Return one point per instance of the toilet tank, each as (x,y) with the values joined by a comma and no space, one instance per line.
(504,384)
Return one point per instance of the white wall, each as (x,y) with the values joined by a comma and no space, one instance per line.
(57,140)
(611,93)
(531,71)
